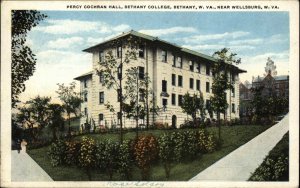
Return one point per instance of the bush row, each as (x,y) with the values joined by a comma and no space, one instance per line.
(275,166)
(110,157)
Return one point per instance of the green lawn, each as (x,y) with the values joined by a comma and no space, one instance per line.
(233,137)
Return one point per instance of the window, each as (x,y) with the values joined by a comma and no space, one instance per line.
(101,118)
(173,80)
(164,56)
(85,97)
(207,70)
(141,73)
(207,104)
(101,97)
(179,81)
(165,103)
(101,77)
(207,87)
(101,56)
(191,83)
(85,83)
(233,108)
(141,51)
(198,85)
(179,60)
(233,92)
(119,117)
(141,95)
(164,86)
(85,111)
(180,100)
(191,65)
(174,61)
(198,67)
(173,99)
(119,51)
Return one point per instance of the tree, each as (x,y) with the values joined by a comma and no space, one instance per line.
(23,59)
(111,69)
(70,99)
(193,105)
(34,113)
(221,81)
(137,92)
(56,121)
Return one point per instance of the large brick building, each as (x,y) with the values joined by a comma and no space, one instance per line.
(173,71)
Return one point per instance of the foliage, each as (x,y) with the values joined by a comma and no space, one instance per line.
(56,121)
(39,109)
(221,82)
(193,105)
(70,99)
(87,155)
(23,59)
(57,153)
(275,166)
(190,148)
(167,152)
(145,153)
(107,153)
(125,160)
(72,152)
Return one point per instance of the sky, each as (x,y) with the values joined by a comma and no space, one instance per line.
(58,40)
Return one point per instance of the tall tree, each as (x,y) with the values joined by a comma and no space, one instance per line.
(71,100)
(56,121)
(221,81)
(192,105)
(23,59)
(111,68)
(137,92)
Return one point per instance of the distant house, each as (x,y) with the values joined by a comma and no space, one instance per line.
(173,71)
(271,84)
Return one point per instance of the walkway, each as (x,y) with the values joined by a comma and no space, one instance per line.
(24,168)
(239,164)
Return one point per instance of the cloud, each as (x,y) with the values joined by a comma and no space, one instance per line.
(255,65)
(168,31)
(54,67)
(61,43)
(226,35)
(246,41)
(68,26)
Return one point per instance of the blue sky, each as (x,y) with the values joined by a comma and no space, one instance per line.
(58,41)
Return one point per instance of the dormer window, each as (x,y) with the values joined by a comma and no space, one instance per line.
(191,63)
(141,51)
(101,56)
(119,51)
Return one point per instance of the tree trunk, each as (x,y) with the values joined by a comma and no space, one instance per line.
(219,124)
(121,105)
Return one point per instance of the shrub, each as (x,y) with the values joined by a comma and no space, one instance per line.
(145,152)
(160,125)
(190,148)
(167,152)
(57,153)
(125,160)
(107,153)
(179,144)
(87,155)
(207,143)
(72,153)
(275,166)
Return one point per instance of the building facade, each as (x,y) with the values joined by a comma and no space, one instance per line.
(270,83)
(173,71)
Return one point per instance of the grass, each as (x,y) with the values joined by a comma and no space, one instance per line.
(266,171)
(232,137)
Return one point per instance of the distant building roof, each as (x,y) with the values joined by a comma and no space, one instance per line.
(88,74)
(156,39)
(281,77)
